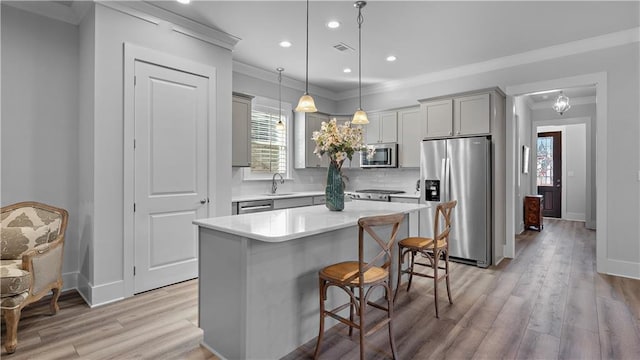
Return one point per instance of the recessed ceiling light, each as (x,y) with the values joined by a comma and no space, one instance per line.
(391,58)
(346,70)
(285,44)
(183,1)
(333,24)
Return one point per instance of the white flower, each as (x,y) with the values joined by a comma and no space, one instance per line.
(339,142)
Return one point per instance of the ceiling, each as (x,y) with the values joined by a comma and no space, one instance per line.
(425,36)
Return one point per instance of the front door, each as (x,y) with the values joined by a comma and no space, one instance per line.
(170,173)
(549,172)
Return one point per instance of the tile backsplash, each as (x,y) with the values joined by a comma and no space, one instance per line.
(314,180)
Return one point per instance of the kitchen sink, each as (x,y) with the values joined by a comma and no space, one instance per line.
(279,194)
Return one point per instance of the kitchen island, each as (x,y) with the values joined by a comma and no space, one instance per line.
(258,274)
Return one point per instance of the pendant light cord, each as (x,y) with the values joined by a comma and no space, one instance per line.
(360,21)
(280,94)
(306,91)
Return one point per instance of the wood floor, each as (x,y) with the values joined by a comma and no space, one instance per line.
(548,303)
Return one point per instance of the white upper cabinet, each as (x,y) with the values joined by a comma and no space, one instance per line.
(471,115)
(241,130)
(304,126)
(457,115)
(438,117)
(382,128)
(411,131)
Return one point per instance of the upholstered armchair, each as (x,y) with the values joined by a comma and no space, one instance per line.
(32,242)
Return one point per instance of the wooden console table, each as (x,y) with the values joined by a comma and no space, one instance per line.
(533,205)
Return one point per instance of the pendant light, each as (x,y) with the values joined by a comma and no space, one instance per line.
(280,124)
(306,103)
(360,117)
(562,104)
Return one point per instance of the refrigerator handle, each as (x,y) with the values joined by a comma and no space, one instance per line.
(447,179)
(443,179)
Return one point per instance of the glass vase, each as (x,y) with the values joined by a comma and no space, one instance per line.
(334,192)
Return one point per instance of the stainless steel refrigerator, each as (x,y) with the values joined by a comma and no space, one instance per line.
(459,169)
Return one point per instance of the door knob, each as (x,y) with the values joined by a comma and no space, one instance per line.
(203,201)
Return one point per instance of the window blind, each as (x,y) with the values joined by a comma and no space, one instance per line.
(268,144)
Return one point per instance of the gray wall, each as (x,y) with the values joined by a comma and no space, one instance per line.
(524,181)
(62,143)
(40,142)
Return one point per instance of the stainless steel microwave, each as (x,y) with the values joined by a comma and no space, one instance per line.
(384,156)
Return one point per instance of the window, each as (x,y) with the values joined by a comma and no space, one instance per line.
(545,161)
(269,145)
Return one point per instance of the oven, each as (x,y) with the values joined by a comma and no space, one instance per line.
(372,194)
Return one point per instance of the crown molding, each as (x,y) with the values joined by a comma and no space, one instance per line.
(138,9)
(271,76)
(548,53)
(177,23)
(50,9)
(572,101)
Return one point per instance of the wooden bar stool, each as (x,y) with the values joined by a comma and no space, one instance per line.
(432,248)
(359,278)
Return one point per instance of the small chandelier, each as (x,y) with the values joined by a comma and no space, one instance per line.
(280,124)
(360,117)
(562,104)
(306,103)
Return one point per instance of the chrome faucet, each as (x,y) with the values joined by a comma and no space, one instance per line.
(274,184)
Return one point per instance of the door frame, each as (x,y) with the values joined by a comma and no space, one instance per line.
(586,121)
(599,80)
(132,53)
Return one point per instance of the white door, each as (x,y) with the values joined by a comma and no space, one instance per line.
(170,173)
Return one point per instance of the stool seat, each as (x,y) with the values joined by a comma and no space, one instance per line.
(343,271)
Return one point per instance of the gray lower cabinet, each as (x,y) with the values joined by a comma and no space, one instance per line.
(244,207)
(319,200)
(292,202)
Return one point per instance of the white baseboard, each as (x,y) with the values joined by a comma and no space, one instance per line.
(204,345)
(626,269)
(69,281)
(102,294)
(574,216)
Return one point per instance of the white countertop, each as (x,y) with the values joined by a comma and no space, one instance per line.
(287,224)
(286,195)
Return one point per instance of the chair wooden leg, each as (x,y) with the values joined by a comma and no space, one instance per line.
(11,318)
(413,257)
(352,307)
(53,306)
(446,264)
(361,303)
(436,259)
(390,315)
(321,291)
(395,294)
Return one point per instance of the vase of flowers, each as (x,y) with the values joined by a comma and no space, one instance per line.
(339,142)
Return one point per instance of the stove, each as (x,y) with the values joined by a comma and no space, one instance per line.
(373,194)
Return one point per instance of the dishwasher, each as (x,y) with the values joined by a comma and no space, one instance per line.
(247,207)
